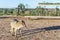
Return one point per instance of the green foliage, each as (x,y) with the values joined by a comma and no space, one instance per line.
(1,12)
(21,9)
(10,11)
(5,12)
(38,11)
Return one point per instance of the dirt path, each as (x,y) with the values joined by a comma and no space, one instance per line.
(42,29)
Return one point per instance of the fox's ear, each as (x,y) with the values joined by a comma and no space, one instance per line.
(16,20)
(23,21)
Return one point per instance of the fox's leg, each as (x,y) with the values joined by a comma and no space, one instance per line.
(20,32)
(11,30)
(15,31)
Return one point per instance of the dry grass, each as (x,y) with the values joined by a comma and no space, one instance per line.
(32,26)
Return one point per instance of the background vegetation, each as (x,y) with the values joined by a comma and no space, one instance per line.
(23,11)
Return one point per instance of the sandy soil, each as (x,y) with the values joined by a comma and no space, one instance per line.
(43,29)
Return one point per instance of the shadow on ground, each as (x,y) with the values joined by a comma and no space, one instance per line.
(37,30)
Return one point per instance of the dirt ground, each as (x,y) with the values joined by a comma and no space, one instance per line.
(43,29)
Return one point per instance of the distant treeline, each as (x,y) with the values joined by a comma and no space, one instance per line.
(23,11)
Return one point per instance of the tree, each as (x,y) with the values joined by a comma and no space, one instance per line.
(10,11)
(57,14)
(21,8)
(38,10)
(6,10)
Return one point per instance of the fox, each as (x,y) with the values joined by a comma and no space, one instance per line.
(16,25)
